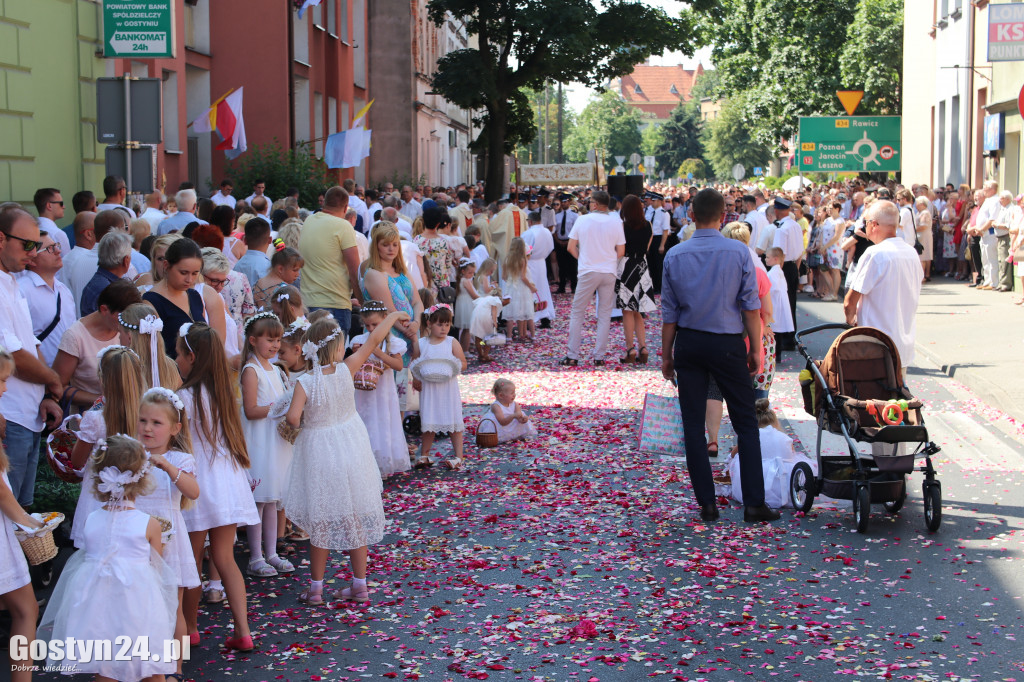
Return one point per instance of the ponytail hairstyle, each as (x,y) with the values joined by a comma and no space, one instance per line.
(6,369)
(261,324)
(515,261)
(286,302)
(765,414)
(121,375)
(128,323)
(220,421)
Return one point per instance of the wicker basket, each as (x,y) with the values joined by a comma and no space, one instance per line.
(368,375)
(59,445)
(287,431)
(486,439)
(39,548)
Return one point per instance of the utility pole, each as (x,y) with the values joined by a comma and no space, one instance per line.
(561,159)
(544,155)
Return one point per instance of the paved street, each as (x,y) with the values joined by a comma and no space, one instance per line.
(578,558)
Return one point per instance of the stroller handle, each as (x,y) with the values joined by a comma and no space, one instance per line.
(821,328)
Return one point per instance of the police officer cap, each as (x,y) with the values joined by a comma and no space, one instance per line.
(544,193)
(524,196)
(782,204)
(565,196)
(533,198)
(654,196)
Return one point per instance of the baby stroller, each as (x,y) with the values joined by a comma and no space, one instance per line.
(857,392)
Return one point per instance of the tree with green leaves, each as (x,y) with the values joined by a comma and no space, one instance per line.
(872,58)
(533,152)
(729,140)
(784,57)
(680,137)
(607,123)
(651,138)
(524,43)
(695,166)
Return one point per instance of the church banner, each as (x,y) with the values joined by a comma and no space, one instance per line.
(556,174)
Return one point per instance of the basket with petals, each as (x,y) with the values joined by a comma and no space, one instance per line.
(435,370)
(39,545)
(489,438)
(368,375)
(59,445)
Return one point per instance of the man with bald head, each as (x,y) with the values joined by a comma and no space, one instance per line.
(153,215)
(886,287)
(85,238)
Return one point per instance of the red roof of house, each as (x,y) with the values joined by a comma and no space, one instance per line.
(657,90)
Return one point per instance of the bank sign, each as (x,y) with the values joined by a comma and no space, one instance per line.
(138,29)
(835,144)
(1006,32)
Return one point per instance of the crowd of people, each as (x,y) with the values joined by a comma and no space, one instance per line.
(229,363)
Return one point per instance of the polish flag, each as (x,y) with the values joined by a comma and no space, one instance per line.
(225,117)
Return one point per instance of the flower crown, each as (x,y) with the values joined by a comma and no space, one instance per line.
(437,306)
(263,315)
(373,307)
(113,480)
(167,394)
(147,325)
(310,348)
(107,349)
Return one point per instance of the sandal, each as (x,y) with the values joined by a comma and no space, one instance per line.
(284,547)
(242,644)
(423,463)
(351,594)
(298,535)
(261,569)
(630,357)
(713,453)
(569,362)
(281,565)
(311,598)
(454,464)
(641,359)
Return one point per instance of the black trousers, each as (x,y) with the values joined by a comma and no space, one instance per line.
(654,262)
(974,244)
(699,355)
(567,267)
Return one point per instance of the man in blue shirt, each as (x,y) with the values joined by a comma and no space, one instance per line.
(113,261)
(708,301)
(255,264)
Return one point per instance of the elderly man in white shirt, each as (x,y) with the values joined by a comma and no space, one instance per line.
(993,222)
(32,387)
(411,208)
(153,215)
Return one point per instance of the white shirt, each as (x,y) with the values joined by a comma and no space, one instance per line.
(908,228)
(539,237)
(412,264)
(362,246)
(888,277)
(411,209)
(564,220)
(42,306)
(221,199)
(360,207)
(598,234)
(372,210)
(758,223)
(154,216)
(116,207)
(479,255)
(547,217)
(790,238)
(660,224)
(20,404)
(77,274)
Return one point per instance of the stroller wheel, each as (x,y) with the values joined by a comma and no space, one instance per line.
(862,506)
(802,487)
(932,505)
(895,505)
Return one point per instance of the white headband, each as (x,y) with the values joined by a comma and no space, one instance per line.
(167,393)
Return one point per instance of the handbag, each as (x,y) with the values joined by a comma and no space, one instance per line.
(446,294)
(661,426)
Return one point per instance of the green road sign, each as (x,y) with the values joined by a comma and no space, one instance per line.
(831,144)
(139,29)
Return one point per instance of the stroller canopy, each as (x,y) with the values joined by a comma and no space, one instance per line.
(862,363)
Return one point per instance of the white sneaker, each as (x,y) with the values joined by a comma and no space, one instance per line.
(808,289)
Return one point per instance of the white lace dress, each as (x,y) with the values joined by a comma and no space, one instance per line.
(334,489)
(383,419)
(92,429)
(513,429)
(440,403)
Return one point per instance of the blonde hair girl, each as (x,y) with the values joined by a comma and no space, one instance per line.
(129,323)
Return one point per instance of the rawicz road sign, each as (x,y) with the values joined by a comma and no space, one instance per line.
(849,143)
(138,28)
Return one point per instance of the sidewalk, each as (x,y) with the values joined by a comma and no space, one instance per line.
(975,336)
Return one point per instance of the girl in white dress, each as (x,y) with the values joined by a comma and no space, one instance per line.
(16,593)
(221,460)
(778,458)
(379,408)
(334,487)
(270,455)
(484,324)
(464,302)
(117,584)
(440,401)
(121,375)
(163,430)
(519,290)
(508,415)
(483,282)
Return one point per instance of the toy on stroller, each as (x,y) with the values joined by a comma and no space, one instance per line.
(857,392)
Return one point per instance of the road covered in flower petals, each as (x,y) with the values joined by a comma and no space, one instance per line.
(577,557)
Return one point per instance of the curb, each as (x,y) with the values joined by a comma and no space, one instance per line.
(986,390)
